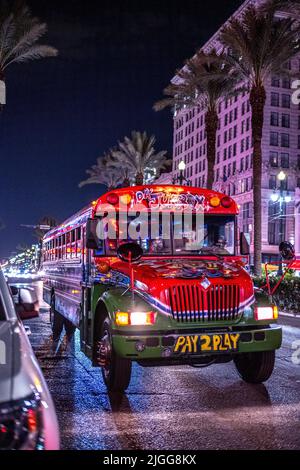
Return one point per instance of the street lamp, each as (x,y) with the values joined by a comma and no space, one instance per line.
(181,178)
(281,176)
(279,196)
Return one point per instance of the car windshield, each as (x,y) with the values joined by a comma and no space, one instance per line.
(172,234)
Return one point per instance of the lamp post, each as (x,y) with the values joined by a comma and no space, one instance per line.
(181,178)
(281,198)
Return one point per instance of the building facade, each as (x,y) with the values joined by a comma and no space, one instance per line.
(233,169)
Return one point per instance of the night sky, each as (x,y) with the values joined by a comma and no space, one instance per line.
(62,113)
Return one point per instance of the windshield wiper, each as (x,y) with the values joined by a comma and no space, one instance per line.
(211,253)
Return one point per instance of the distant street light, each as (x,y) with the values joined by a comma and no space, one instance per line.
(181,178)
(278,196)
(281,176)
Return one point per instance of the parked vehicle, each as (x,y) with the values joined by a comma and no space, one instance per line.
(165,296)
(27,415)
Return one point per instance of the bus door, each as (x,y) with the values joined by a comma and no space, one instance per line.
(86,309)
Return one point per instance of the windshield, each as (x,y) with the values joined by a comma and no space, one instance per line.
(171,234)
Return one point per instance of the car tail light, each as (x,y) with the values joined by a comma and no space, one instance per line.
(226,202)
(266,313)
(21,425)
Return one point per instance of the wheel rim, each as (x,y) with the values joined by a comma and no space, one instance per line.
(104,353)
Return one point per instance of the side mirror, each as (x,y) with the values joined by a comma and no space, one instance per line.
(130,252)
(26,302)
(244,244)
(14,290)
(92,240)
(287,251)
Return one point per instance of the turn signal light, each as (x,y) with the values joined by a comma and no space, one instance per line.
(125,199)
(135,318)
(266,313)
(122,318)
(215,201)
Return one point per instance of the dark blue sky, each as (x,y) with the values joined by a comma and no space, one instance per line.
(115,58)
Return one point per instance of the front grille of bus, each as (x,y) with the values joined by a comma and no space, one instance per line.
(192,303)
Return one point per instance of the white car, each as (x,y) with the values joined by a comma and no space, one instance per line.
(27,416)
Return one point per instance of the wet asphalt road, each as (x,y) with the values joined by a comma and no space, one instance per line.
(172,407)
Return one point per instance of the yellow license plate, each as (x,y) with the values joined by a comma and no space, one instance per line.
(193,344)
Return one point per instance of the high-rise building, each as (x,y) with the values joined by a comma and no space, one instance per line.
(233,169)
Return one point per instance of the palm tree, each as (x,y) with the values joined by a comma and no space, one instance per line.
(204,81)
(259,44)
(19,36)
(104,173)
(137,154)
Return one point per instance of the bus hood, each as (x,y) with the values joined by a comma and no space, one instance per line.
(155,278)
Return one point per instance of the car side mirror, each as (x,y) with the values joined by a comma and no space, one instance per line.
(244,244)
(92,240)
(130,252)
(26,302)
(14,290)
(287,251)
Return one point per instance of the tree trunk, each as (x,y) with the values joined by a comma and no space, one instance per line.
(125,183)
(139,179)
(211,127)
(2,78)
(257,101)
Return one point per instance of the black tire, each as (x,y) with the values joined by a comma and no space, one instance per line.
(56,320)
(256,367)
(117,371)
(70,329)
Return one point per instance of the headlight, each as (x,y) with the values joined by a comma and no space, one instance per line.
(266,313)
(21,425)
(135,318)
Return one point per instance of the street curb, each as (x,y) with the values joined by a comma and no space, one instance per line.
(293,315)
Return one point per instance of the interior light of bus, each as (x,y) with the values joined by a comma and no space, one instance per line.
(215,201)
(226,202)
(125,199)
(112,198)
(112,245)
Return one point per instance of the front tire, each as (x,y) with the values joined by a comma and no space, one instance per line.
(116,370)
(256,367)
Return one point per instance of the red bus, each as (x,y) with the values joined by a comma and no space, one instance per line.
(143,286)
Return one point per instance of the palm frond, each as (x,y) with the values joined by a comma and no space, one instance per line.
(202,81)
(33,53)
(20,33)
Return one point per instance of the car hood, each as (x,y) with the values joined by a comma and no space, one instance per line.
(155,277)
